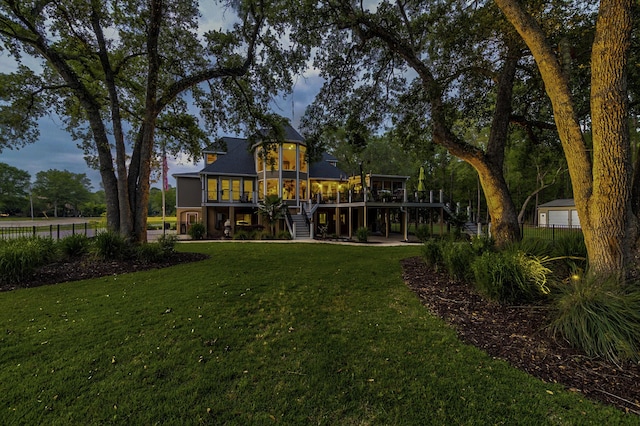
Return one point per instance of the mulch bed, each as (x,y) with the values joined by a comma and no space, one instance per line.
(517,335)
(89,267)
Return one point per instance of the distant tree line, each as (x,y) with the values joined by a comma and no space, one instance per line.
(61,193)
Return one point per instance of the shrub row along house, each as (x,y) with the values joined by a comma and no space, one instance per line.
(321,198)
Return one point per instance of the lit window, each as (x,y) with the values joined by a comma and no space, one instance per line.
(288,156)
(224,189)
(303,190)
(247,194)
(289,189)
(235,189)
(302,159)
(212,189)
(211,158)
(272,161)
(272,187)
(261,189)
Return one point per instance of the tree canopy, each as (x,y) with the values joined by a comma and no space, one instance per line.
(125,76)
(14,189)
(406,65)
(61,191)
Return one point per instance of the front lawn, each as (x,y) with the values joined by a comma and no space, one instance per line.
(259,334)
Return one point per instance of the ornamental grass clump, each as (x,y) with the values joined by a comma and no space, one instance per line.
(423,232)
(168,243)
(432,253)
(510,277)
(150,253)
(599,316)
(362,234)
(22,256)
(76,245)
(457,257)
(110,245)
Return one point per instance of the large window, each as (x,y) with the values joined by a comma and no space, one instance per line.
(243,219)
(303,189)
(272,161)
(247,194)
(212,189)
(289,189)
(272,187)
(328,188)
(235,189)
(303,159)
(288,156)
(259,160)
(224,189)
(260,189)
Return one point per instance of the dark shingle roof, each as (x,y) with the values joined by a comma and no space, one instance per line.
(290,134)
(237,160)
(324,170)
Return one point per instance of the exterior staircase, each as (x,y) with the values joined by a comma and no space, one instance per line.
(302,229)
(468,228)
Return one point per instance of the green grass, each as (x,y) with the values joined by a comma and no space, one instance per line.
(259,334)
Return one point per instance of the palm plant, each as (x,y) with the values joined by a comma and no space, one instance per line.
(272,209)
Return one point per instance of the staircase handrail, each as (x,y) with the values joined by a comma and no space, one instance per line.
(289,221)
(305,214)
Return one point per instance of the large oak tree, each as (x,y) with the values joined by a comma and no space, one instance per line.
(409,60)
(601,174)
(126,76)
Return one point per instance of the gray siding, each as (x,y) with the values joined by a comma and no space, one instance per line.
(188,193)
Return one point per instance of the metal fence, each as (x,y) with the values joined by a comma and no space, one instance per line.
(55,232)
(551,232)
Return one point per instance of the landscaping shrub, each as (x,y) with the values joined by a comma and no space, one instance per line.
(150,253)
(570,254)
(263,235)
(284,235)
(362,234)
(197,231)
(241,234)
(510,276)
(76,245)
(457,258)
(481,244)
(168,243)
(569,244)
(22,256)
(539,247)
(601,317)
(432,252)
(111,245)
(423,232)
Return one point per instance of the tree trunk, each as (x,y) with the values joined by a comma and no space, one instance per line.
(610,232)
(602,193)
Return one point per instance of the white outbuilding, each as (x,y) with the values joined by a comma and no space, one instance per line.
(561,212)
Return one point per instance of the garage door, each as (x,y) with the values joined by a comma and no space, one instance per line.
(559,218)
(575,220)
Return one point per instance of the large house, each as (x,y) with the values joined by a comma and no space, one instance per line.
(321,198)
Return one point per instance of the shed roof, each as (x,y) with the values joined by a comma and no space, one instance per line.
(561,202)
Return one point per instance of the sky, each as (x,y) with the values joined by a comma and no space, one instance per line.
(55,149)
